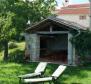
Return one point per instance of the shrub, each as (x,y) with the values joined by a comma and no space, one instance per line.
(16,56)
(83,45)
(12,45)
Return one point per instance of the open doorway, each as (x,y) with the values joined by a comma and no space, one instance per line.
(54,48)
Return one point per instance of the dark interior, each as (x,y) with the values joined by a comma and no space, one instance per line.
(54,47)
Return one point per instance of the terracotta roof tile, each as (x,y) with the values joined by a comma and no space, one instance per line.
(75,9)
(77,5)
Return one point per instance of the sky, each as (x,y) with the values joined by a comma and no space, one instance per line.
(72,2)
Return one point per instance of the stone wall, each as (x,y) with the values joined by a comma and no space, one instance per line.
(34,47)
(27,51)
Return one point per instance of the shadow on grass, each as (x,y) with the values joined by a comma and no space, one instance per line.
(10,71)
(75,74)
(16,56)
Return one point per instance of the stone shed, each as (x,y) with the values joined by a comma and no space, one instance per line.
(49,40)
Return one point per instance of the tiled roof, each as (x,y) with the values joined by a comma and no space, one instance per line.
(75,9)
(77,5)
(68,24)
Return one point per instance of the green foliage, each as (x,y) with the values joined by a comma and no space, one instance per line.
(14,15)
(23,11)
(12,45)
(40,9)
(1,46)
(16,56)
(6,29)
(83,44)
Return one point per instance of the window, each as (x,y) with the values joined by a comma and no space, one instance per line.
(82,17)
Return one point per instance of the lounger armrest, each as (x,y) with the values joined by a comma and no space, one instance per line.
(29,75)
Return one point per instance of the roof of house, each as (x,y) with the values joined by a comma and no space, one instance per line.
(78,5)
(70,25)
(75,9)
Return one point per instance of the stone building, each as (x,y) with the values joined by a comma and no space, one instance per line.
(49,40)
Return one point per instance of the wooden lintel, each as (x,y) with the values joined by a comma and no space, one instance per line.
(53,32)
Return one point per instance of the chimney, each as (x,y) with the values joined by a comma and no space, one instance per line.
(65,3)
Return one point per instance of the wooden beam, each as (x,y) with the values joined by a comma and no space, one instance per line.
(53,32)
(50,28)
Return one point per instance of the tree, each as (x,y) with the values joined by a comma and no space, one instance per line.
(6,31)
(32,10)
(40,9)
(14,15)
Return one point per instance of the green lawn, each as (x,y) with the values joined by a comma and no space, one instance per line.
(72,75)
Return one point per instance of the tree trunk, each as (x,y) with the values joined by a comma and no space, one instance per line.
(5,50)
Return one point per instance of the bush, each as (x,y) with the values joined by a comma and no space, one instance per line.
(12,45)
(16,56)
(83,45)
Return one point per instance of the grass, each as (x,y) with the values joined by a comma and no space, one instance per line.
(77,75)
(9,71)
(73,75)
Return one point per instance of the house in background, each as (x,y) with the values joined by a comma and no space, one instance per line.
(49,40)
(78,13)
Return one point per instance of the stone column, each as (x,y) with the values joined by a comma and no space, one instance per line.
(27,44)
(34,47)
(74,58)
(27,39)
(70,50)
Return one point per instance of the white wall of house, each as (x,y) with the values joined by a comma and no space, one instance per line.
(75,18)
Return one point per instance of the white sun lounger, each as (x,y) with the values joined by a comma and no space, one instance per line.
(38,71)
(50,79)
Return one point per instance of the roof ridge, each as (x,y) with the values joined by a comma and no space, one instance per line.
(77,5)
(80,4)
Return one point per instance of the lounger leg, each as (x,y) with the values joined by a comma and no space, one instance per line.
(19,80)
(43,83)
(55,82)
(50,82)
